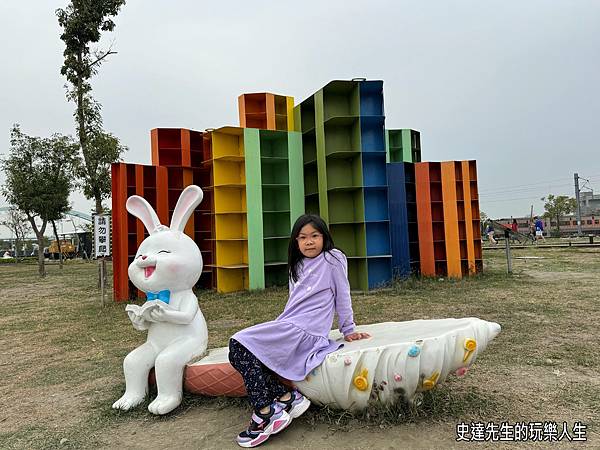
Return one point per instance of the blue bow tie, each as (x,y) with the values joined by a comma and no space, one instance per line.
(163,296)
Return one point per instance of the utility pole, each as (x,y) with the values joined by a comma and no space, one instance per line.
(579,233)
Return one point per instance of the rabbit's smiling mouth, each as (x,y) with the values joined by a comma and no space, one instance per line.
(149,270)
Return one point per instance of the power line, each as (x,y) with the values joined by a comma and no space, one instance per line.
(524,190)
(542,184)
(529,184)
(508,199)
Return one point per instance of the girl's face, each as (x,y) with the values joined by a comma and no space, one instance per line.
(310,241)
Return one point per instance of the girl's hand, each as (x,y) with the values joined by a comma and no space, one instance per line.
(356,336)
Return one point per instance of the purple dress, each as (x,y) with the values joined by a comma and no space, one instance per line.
(297,341)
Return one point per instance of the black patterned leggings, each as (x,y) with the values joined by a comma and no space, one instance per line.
(261,383)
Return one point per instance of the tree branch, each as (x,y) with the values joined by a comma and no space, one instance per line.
(109,52)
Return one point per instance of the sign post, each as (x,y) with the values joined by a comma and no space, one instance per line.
(102,247)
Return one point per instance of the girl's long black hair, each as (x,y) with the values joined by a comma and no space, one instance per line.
(294,254)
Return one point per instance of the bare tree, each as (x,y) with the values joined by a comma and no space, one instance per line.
(18,224)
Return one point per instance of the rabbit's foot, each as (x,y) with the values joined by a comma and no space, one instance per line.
(128,401)
(164,404)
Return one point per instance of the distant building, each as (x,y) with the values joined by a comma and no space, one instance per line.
(590,224)
(590,203)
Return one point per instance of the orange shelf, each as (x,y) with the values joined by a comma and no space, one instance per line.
(266,111)
(424,219)
(451,219)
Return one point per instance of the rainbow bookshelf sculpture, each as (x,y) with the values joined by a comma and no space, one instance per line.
(391,214)
(343,138)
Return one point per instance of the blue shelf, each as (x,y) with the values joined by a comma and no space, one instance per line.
(372,137)
(376,205)
(398,220)
(378,238)
(373,169)
(379,271)
(371,98)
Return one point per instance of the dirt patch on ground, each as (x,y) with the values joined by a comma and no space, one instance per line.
(558,276)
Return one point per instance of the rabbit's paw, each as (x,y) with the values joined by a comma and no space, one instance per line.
(128,401)
(164,404)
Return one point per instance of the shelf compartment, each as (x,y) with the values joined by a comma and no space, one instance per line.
(227,141)
(309,148)
(307,115)
(371,98)
(437,212)
(311,182)
(229,200)
(376,205)
(274,143)
(435,172)
(255,103)
(275,199)
(474,190)
(207,146)
(345,172)
(311,205)
(346,206)
(439,250)
(231,226)
(342,138)
(438,232)
(169,138)
(435,191)
(374,169)
(378,238)
(472,171)
(350,238)
(228,172)
(232,280)
(275,172)
(196,138)
(358,274)
(341,98)
(372,134)
(475,209)
(275,250)
(233,254)
(276,226)
(441,269)
(276,275)
(379,272)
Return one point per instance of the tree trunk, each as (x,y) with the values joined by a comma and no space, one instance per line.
(80,112)
(60,257)
(99,208)
(41,267)
(16,250)
(40,239)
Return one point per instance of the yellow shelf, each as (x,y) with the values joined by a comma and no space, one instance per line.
(231,280)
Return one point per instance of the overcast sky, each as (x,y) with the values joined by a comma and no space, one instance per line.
(512,84)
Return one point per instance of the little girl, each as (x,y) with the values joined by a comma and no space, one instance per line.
(297,341)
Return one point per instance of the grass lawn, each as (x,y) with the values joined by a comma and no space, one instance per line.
(60,366)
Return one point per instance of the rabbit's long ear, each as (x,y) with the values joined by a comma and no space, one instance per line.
(141,209)
(188,200)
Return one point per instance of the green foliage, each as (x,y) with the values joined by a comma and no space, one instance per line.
(39,177)
(83,22)
(39,174)
(94,171)
(558,206)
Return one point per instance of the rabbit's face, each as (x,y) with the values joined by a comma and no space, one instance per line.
(167,259)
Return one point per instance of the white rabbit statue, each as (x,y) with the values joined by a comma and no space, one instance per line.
(166,266)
